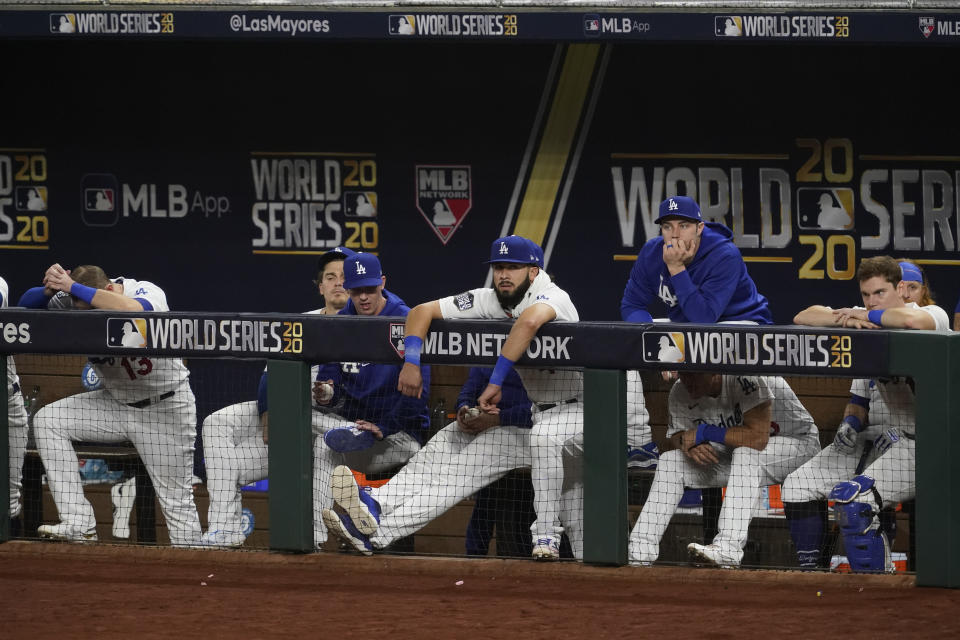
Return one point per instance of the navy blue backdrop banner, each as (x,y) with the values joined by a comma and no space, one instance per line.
(221,169)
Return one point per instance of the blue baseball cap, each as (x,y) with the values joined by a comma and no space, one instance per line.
(679,207)
(515,249)
(537,251)
(337,253)
(910,272)
(362,270)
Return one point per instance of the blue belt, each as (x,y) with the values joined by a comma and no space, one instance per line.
(546,406)
(143,404)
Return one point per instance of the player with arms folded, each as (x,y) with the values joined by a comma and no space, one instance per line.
(890,477)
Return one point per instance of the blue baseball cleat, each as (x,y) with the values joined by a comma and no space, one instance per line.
(347,439)
(341,526)
(359,505)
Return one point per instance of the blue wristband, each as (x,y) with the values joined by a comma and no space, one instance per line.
(500,370)
(83,292)
(412,346)
(875,317)
(854,422)
(711,433)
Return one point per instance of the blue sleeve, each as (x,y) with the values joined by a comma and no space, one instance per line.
(34,298)
(406,413)
(706,301)
(262,394)
(476,382)
(957,310)
(638,293)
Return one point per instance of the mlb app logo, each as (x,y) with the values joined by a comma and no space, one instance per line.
(927,25)
(127,332)
(31,198)
(397,334)
(591,25)
(728,26)
(663,346)
(360,204)
(402,25)
(99,206)
(444,196)
(825,208)
(63,23)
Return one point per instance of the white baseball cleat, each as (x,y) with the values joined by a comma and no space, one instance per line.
(123,495)
(67,532)
(714,554)
(223,539)
(546,548)
(362,509)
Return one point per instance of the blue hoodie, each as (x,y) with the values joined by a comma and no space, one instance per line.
(368,390)
(514,404)
(714,287)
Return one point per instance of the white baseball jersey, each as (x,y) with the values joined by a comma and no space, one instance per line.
(11,367)
(542,385)
(897,392)
(739,394)
(132,378)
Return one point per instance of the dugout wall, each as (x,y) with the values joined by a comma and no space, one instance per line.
(601,349)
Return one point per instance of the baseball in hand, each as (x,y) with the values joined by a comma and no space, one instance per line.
(325,392)
(473,412)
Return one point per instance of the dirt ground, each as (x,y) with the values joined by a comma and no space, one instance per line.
(56,590)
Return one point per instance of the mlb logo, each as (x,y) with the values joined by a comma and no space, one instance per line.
(63,23)
(728,26)
(405,25)
(444,197)
(663,346)
(397,334)
(927,25)
(360,204)
(591,25)
(824,208)
(31,198)
(127,332)
(99,206)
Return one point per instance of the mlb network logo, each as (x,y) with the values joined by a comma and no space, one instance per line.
(397,334)
(927,25)
(405,25)
(663,346)
(728,26)
(127,332)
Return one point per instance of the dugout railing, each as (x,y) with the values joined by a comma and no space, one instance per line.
(603,350)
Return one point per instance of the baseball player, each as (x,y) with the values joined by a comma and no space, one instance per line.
(366,423)
(742,432)
(889,477)
(17,424)
(695,269)
(235,437)
(471,453)
(865,419)
(145,400)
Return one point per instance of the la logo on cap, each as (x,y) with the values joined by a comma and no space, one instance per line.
(673,206)
(360,269)
(503,249)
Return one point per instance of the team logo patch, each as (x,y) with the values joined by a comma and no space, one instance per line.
(31,198)
(89,378)
(464,301)
(444,197)
(397,334)
(728,26)
(660,346)
(927,26)
(99,207)
(127,332)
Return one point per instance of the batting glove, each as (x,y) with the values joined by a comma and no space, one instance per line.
(886,440)
(845,440)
